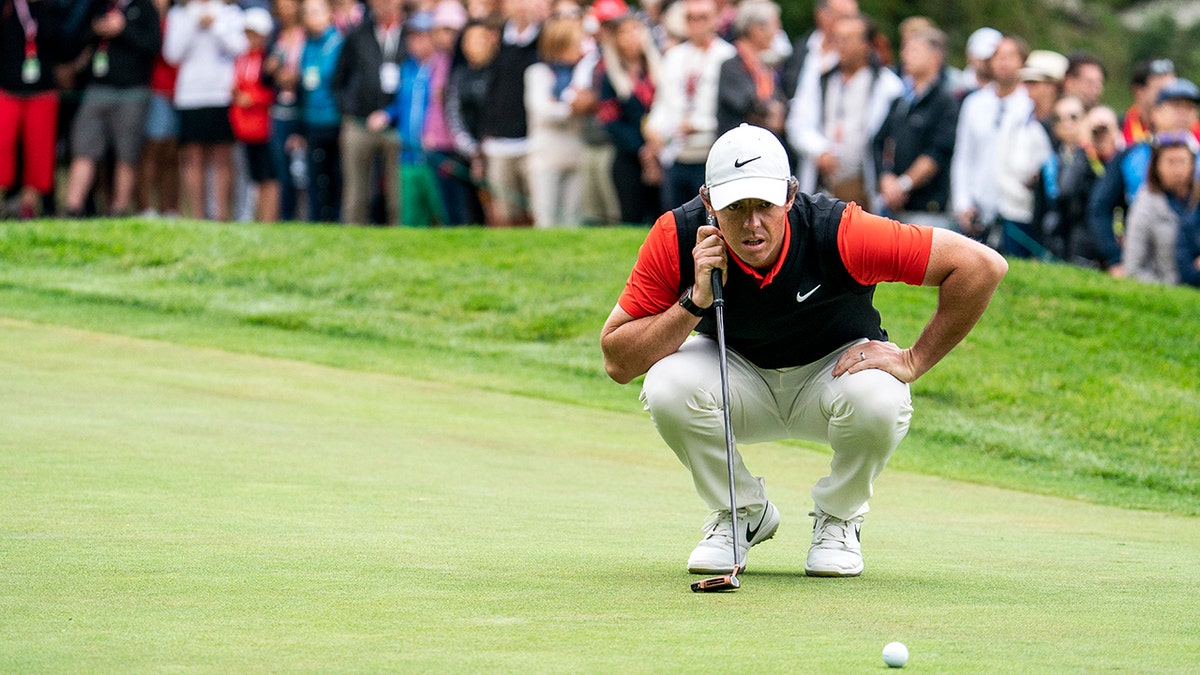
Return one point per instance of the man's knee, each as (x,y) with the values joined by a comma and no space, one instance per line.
(676,387)
(874,400)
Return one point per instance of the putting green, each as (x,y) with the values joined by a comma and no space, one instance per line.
(174,508)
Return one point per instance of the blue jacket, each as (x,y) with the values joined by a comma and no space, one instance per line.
(1187,250)
(407,111)
(318,103)
(1122,179)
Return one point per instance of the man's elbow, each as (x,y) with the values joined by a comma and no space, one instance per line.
(993,265)
(617,373)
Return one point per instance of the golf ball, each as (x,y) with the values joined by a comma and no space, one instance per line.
(895,654)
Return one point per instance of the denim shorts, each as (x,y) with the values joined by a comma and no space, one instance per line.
(162,122)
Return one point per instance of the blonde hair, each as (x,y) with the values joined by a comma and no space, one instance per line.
(558,36)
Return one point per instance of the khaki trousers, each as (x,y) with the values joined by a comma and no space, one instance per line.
(360,150)
(863,417)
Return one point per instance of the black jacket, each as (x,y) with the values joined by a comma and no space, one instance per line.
(506,93)
(356,78)
(925,126)
(131,54)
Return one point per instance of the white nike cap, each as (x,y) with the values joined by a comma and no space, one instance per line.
(747,162)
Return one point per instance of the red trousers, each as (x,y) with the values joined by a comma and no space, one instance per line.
(33,119)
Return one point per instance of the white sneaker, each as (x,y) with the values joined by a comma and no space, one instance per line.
(714,553)
(835,550)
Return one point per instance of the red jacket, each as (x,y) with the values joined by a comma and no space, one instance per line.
(250,112)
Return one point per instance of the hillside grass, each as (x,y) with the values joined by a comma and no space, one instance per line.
(1073,384)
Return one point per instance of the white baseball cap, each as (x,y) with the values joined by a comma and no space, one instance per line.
(983,42)
(747,162)
(258,20)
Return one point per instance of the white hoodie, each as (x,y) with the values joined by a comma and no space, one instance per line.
(204,55)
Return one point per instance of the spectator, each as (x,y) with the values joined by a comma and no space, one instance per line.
(466,106)
(746,90)
(282,70)
(598,200)
(1022,147)
(683,119)
(1187,252)
(1165,200)
(1042,76)
(158,174)
(505,144)
(628,72)
(833,121)
(973,177)
(1084,79)
(814,54)
(1149,78)
(422,203)
(250,114)
(320,118)
(1066,180)
(31,47)
(202,38)
(1175,110)
(555,133)
(366,79)
(914,146)
(451,170)
(124,38)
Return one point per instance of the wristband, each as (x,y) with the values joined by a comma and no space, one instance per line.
(905,182)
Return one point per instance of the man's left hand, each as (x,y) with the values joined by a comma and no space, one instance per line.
(884,356)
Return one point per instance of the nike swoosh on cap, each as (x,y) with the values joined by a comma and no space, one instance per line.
(801,297)
(737,163)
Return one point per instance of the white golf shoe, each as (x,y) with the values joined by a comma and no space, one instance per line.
(835,550)
(714,553)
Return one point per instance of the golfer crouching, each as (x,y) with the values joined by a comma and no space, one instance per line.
(807,355)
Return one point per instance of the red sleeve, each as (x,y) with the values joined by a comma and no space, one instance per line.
(877,249)
(653,285)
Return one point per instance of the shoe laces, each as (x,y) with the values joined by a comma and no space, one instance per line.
(831,529)
(719,524)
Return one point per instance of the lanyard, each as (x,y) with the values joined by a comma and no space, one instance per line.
(27,24)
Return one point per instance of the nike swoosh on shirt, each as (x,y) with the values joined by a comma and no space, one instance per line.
(801,297)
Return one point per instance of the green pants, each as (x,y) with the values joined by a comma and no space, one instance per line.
(420,201)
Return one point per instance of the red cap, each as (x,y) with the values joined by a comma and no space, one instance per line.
(607,10)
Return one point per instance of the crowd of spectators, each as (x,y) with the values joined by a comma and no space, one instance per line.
(564,112)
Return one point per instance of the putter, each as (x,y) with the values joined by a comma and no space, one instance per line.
(725,582)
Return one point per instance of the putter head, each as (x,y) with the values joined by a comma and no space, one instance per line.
(725,582)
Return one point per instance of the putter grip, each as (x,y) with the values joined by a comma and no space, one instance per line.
(718,292)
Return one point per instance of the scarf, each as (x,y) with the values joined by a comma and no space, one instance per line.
(764,79)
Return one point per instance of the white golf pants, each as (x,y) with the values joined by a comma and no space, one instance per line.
(863,417)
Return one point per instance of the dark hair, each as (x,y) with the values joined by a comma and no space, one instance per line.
(1162,143)
(1077,60)
(1143,71)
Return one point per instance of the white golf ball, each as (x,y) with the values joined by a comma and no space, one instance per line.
(895,654)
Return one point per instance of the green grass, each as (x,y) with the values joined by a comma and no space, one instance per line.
(176,508)
(1073,385)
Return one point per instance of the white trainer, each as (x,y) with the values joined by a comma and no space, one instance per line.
(835,550)
(714,553)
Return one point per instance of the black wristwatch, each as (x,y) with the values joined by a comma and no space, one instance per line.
(685,301)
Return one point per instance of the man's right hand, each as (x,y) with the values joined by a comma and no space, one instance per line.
(968,222)
(709,254)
